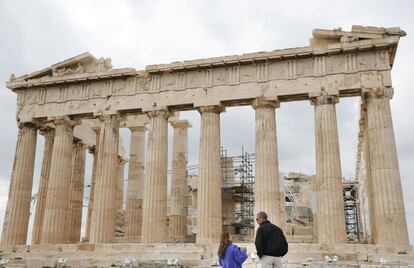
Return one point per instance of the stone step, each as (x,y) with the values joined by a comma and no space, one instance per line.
(188,255)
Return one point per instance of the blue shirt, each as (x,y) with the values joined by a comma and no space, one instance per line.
(233,258)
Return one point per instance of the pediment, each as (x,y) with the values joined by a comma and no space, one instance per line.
(321,37)
(82,63)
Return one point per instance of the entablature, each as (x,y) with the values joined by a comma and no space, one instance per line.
(338,62)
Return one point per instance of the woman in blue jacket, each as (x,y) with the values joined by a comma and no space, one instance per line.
(230,255)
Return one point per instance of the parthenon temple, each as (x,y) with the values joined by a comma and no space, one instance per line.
(80,104)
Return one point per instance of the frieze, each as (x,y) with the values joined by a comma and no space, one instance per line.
(347,64)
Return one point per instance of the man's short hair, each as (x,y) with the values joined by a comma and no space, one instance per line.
(262,214)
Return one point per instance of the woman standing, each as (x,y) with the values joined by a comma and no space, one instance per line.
(230,255)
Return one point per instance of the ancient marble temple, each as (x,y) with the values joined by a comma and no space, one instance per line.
(80,104)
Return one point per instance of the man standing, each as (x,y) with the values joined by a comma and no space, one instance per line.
(270,242)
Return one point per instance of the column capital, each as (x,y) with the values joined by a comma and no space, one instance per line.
(380,92)
(263,103)
(138,128)
(217,109)
(324,99)
(63,120)
(160,113)
(180,124)
(47,131)
(106,117)
(27,124)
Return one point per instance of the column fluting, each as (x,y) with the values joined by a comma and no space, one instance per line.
(106,185)
(209,210)
(94,151)
(268,187)
(133,208)
(178,209)
(16,219)
(49,135)
(76,193)
(57,199)
(390,224)
(329,196)
(154,209)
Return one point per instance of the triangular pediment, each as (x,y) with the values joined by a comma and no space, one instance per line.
(82,63)
(357,33)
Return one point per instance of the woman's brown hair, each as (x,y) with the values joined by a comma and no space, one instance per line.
(224,243)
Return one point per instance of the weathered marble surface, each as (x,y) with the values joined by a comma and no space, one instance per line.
(82,94)
(339,61)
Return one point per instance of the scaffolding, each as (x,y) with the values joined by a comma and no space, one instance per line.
(352,210)
(238,178)
(238,182)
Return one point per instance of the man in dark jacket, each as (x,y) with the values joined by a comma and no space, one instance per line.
(270,242)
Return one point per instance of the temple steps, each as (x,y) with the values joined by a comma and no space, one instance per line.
(192,255)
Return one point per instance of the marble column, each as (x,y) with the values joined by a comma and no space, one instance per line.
(329,197)
(93,151)
(120,191)
(209,215)
(106,186)
(268,187)
(120,216)
(229,205)
(16,219)
(178,209)
(154,209)
(390,223)
(363,173)
(49,135)
(133,210)
(76,193)
(57,198)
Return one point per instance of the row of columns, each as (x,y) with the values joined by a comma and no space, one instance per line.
(149,188)
(61,187)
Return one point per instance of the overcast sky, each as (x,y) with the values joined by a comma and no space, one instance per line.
(36,34)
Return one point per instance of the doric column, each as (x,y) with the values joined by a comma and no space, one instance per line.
(120,192)
(154,210)
(390,223)
(106,186)
(76,193)
(329,197)
(93,151)
(57,198)
(209,218)
(268,187)
(49,135)
(178,209)
(120,219)
(16,219)
(363,173)
(133,210)
(229,205)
